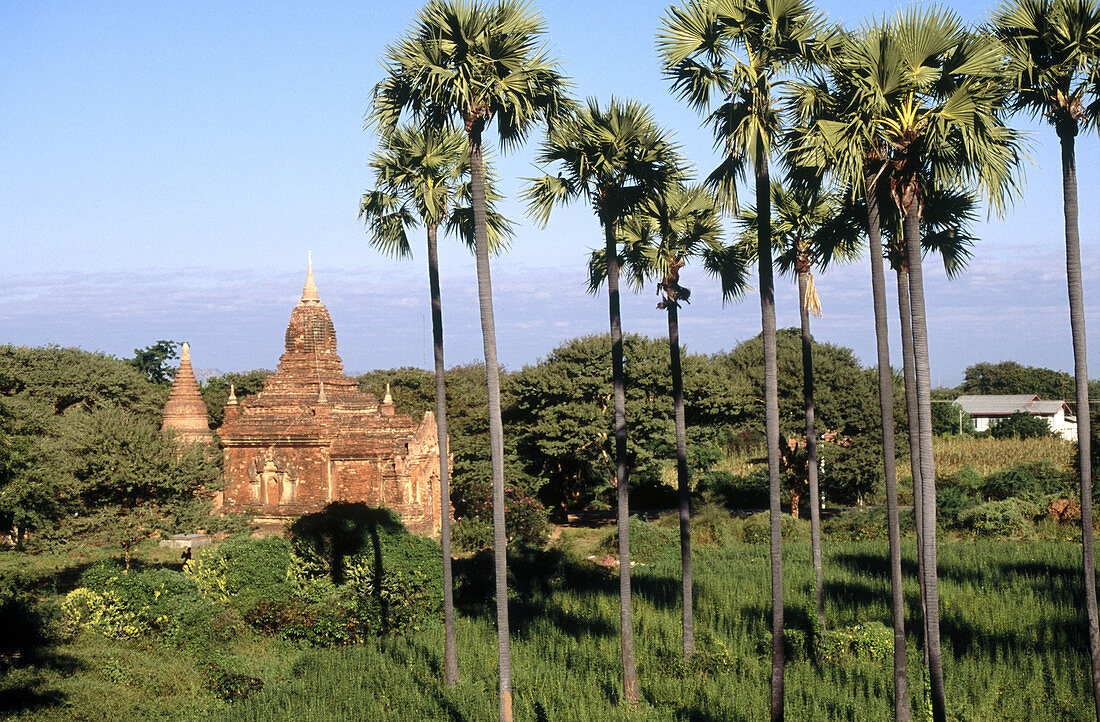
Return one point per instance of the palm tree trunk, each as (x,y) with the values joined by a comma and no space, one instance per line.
(927,463)
(909,375)
(771,426)
(630,677)
(1080,372)
(811,447)
(889,451)
(450,658)
(496,427)
(683,482)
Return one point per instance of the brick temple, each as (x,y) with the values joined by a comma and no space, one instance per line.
(311,436)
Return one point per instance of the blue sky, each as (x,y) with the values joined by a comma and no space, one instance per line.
(164,168)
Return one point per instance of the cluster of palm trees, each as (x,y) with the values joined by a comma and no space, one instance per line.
(893,131)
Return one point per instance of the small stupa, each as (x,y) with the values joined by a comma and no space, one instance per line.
(185,411)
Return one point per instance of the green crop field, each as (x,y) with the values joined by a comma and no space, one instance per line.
(1013,645)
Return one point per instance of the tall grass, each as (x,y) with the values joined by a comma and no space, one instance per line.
(988,455)
(1013,646)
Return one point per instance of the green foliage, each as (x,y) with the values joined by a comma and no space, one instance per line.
(756,529)
(57,379)
(846,409)
(1020,425)
(1009,377)
(865,642)
(230,686)
(1031,481)
(215,391)
(155,361)
(470,533)
(563,416)
(748,491)
(1010,517)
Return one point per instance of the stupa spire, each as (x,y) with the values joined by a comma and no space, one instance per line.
(309,292)
(185,411)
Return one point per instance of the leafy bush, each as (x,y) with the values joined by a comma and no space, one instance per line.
(228,685)
(1020,425)
(649,542)
(749,491)
(469,534)
(359,572)
(1009,517)
(868,524)
(757,528)
(1025,481)
(244,572)
(868,641)
(23,632)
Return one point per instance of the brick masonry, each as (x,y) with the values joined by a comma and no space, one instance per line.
(311,437)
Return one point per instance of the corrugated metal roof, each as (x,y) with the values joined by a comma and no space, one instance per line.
(993,404)
(1005,404)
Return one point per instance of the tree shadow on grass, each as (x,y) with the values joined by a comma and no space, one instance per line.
(873,564)
(535,576)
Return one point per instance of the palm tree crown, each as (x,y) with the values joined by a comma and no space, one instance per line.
(481,62)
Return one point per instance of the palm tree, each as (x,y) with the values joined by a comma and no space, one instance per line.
(659,238)
(477,63)
(945,132)
(698,45)
(1052,48)
(905,106)
(418,178)
(811,226)
(616,157)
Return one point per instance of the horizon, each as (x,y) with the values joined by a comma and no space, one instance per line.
(169,168)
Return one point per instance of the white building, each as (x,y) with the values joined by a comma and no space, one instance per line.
(987,410)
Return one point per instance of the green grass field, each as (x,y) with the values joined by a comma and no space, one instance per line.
(1012,625)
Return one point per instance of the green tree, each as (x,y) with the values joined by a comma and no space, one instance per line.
(478,63)
(616,158)
(60,379)
(1010,377)
(699,46)
(1020,425)
(155,361)
(215,390)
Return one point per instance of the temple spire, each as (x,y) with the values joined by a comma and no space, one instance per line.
(309,292)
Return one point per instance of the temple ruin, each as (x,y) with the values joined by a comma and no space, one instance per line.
(312,437)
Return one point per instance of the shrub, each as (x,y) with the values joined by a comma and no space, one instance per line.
(1025,481)
(749,491)
(1020,425)
(757,528)
(23,632)
(868,641)
(858,525)
(228,685)
(243,572)
(359,572)
(469,534)
(649,542)
(1009,517)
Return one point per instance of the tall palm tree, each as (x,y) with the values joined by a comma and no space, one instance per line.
(945,132)
(699,45)
(418,175)
(472,64)
(907,105)
(659,238)
(1053,47)
(811,226)
(616,158)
